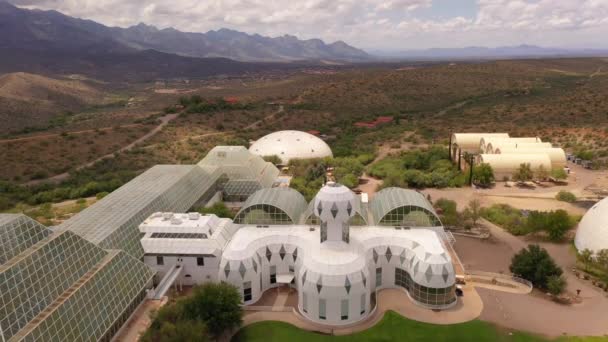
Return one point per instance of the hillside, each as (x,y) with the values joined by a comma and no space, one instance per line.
(33,100)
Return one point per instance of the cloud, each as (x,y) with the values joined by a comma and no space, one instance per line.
(395,24)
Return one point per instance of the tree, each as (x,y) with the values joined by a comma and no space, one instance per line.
(602,258)
(220,209)
(558,223)
(536,265)
(217,304)
(524,173)
(542,173)
(586,257)
(559,174)
(473,211)
(483,174)
(556,284)
(449,212)
(349,180)
(179,331)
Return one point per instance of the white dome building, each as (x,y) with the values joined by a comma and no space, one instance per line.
(592,231)
(289,145)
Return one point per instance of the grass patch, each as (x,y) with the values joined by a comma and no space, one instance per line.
(393,327)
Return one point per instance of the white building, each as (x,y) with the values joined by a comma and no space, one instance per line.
(335,269)
(592,232)
(289,145)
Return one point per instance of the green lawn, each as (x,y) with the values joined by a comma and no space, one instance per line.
(392,327)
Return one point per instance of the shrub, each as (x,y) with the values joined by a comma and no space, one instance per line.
(536,265)
(220,209)
(559,174)
(523,173)
(483,174)
(217,304)
(565,196)
(556,284)
(449,212)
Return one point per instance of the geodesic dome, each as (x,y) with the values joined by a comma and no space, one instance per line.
(592,231)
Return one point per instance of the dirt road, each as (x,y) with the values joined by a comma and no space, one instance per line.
(63,176)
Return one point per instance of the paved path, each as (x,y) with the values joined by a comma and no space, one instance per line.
(466,309)
(535,312)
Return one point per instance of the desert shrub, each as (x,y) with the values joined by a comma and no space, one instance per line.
(559,174)
(565,196)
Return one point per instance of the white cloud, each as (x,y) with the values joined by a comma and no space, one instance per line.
(367,23)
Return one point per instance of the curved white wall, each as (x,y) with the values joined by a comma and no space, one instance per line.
(592,232)
(289,145)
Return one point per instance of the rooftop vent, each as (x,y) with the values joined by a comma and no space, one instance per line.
(194,216)
(167,216)
(176,221)
(312,229)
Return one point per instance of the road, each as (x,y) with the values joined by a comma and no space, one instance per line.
(164,120)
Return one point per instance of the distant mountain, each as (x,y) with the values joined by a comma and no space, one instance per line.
(520,51)
(235,45)
(27,28)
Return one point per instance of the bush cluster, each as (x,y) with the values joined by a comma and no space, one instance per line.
(520,222)
(211,309)
(419,169)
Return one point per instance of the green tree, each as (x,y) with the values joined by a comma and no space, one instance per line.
(556,284)
(559,174)
(449,213)
(217,304)
(483,174)
(558,223)
(542,173)
(473,211)
(523,173)
(586,257)
(536,265)
(220,209)
(602,258)
(349,180)
(171,325)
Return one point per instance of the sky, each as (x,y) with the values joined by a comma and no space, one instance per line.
(370,24)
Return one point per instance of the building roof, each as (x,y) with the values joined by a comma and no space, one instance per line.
(286,199)
(238,163)
(45,281)
(17,233)
(392,198)
(333,261)
(469,142)
(592,232)
(289,145)
(508,163)
(494,141)
(112,222)
(192,233)
(557,155)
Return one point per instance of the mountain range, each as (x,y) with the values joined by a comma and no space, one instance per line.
(51,29)
(480,52)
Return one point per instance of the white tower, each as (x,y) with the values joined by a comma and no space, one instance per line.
(334,205)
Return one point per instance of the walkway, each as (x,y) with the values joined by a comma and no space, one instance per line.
(467,308)
(534,312)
